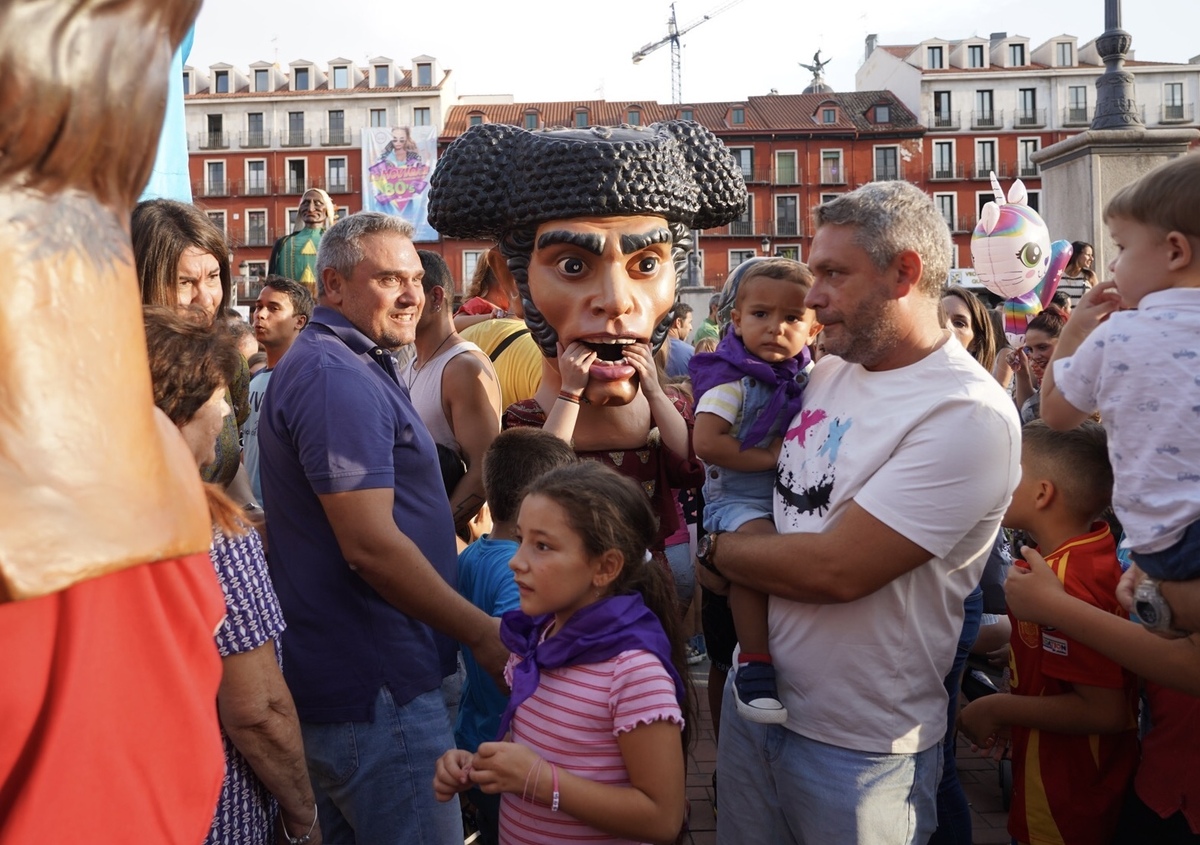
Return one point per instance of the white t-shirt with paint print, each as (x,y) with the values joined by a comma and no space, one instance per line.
(932,450)
(1141,370)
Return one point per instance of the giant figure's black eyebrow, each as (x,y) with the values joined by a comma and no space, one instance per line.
(590,241)
(634,243)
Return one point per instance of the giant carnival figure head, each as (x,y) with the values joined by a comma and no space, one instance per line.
(1014,258)
(594,226)
(92,478)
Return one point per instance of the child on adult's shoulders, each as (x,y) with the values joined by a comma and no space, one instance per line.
(1130,350)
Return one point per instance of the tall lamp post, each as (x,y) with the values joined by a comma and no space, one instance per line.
(1116,107)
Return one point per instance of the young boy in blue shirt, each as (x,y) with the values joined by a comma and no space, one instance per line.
(516,458)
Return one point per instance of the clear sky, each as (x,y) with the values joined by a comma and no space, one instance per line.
(573,50)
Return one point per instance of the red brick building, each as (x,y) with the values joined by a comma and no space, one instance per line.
(258,139)
(795,151)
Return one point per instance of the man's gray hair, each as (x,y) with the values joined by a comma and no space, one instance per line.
(341,245)
(892,217)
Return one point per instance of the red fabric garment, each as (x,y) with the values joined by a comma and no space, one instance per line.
(655,467)
(1069,788)
(108,709)
(1166,778)
(477,305)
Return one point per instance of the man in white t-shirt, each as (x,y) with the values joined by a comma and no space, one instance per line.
(890,488)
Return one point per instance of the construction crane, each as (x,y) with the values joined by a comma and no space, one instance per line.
(674,33)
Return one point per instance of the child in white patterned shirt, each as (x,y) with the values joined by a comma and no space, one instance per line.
(1140,367)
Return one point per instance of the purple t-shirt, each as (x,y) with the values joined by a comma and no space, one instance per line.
(335,419)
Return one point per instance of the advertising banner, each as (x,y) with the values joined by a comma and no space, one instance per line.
(397,164)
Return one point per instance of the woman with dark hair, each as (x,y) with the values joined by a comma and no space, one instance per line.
(968,318)
(182,257)
(1029,362)
(183,260)
(1078,276)
(191,362)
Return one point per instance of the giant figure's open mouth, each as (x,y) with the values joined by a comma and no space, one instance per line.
(609,350)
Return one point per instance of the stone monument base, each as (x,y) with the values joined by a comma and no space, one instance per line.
(1080,174)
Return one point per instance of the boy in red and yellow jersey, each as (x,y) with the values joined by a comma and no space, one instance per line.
(1069,714)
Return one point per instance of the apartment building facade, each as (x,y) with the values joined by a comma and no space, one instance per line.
(259,137)
(989,103)
(795,151)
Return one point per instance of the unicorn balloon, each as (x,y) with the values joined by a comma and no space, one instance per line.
(1014,258)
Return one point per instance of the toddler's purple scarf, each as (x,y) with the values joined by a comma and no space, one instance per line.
(732,362)
(594,634)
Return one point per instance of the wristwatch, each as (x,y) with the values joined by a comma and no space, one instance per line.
(706,550)
(1151,607)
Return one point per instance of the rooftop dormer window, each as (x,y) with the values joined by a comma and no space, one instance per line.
(475,120)
(262,79)
(424,74)
(883,114)
(382,77)
(1016,55)
(829,115)
(686,114)
(221,82)
(1065,53)
(301,79)
(935,58)
(531,120)
(187,82)
(633,117)
(581,119)
(737,116)
(341,77)
(975,55)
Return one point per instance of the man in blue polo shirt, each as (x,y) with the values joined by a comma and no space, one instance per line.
(362,548)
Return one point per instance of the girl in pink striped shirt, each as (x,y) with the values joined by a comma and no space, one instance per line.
(594,738)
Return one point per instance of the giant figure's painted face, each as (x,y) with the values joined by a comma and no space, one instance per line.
(606,282)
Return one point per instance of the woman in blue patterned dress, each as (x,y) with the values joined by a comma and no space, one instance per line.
(191,362)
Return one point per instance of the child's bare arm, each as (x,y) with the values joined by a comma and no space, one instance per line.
(1093,309)
(1183,597)
(649,809)
(715,445)
(1083,710)
(1036,595)
(672,427)
(574,366)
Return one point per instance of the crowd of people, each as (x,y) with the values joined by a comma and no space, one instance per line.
(454,546)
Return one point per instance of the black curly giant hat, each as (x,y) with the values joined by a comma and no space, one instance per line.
(496,178)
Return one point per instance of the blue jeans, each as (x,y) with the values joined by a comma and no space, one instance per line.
(374,780)
(954,813)
(780,787)
(1180,562)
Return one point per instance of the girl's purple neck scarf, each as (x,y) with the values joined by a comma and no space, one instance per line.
(594,634)
(732,362)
